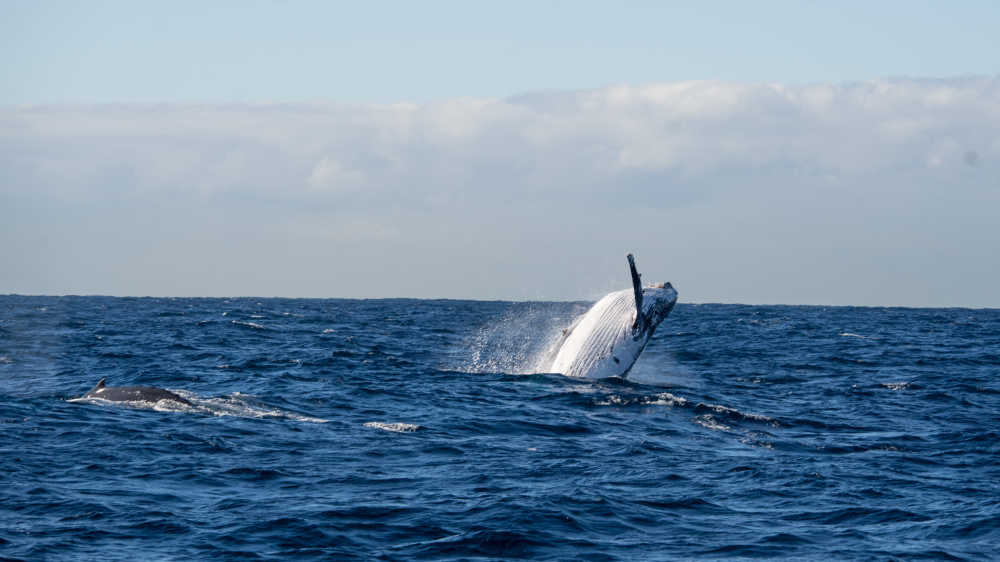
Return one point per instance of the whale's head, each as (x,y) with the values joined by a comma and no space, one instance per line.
(658,301)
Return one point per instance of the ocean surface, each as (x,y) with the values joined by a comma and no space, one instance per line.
(418,429)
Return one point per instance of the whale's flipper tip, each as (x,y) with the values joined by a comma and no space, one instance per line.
(632,269)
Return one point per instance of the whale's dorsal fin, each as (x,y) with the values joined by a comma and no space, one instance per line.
(100,383)
(637,289)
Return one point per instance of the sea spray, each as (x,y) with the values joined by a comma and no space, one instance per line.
(522,339)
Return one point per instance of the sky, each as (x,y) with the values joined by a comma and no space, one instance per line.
(771,153)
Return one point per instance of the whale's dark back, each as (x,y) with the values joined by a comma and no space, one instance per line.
(135,394)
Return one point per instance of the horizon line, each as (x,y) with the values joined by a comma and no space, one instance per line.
(491,300)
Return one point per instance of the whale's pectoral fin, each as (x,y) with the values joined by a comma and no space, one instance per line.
(637,289)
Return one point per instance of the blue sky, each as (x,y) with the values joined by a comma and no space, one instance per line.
(774,152)
(420,51)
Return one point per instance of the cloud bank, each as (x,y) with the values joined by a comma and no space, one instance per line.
(883,192)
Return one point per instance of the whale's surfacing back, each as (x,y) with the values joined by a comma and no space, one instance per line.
(608,338)
(133,394)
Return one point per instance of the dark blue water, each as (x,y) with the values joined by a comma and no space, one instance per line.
(405,429)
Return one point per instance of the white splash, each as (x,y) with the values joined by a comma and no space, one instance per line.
(896,385)
(667,399)
(710,422)
(244,406)
(661,399)
(396,427)
(853,335)
(734,413)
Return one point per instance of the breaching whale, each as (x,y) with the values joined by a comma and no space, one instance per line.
(607,339)
(133,394)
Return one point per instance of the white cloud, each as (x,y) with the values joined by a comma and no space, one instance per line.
(697,173)
(330,174)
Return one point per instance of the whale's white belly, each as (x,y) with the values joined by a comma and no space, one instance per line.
(601,345)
